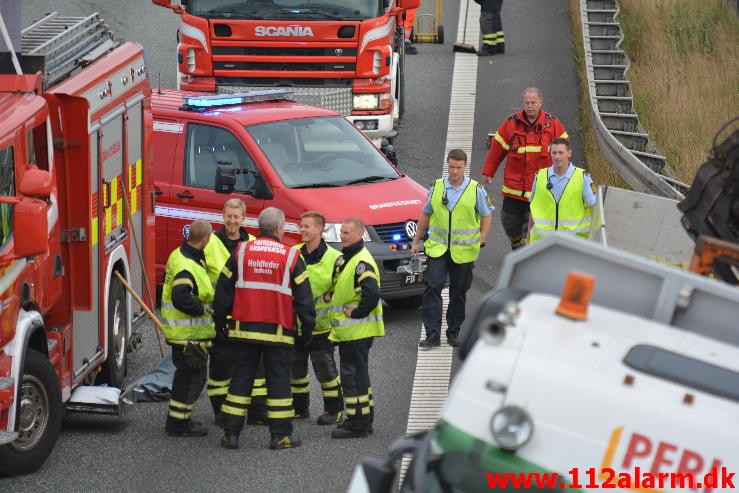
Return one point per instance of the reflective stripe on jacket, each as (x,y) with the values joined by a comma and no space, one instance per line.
(345,328)
(263,289)
(571,214)
(457,230)
(179,326)
(526,149)
(321,279)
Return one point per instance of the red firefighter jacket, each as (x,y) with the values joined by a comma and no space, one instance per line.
(527,148)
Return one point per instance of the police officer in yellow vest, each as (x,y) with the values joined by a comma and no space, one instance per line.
(320,259)
(188,327)
(561,196)
(220,247)
(457,217)
(356,319)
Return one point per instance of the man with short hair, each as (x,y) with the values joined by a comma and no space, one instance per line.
(457,216)
(356,319)
(561,197)
(320,259)
(262,287)
(221,246)
(188,327)
(523,140)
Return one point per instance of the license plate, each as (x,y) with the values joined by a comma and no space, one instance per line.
(409,279)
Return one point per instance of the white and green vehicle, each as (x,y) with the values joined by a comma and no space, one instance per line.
(639,391)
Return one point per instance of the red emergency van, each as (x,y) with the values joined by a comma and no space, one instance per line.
(298,158)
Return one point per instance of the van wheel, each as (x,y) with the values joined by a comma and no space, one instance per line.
(406,303)
(40,418)
(114,368)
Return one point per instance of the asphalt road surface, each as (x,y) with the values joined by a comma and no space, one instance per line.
(133,453)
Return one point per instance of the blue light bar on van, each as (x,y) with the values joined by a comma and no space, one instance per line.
(203,102)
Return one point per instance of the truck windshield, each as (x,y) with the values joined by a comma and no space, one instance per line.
(321,152)
(287,9)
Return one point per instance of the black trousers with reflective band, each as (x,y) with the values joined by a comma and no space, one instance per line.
(321,355)
(515,220)
(355,382)
(219,378)
(186,387)
(245,357)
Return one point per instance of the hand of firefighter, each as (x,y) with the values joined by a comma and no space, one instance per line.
(222,327)
(348,310)
(197,355)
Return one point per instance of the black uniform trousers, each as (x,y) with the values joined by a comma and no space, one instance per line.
(321,355)
(491,25)
(187,384)
(515,220)
(245,358)
(460,280)
(219,378)
(355,382)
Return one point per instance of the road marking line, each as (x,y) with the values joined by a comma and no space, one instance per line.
(433,367)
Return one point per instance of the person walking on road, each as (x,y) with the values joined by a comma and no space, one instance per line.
(320,259)
(491,27)
(561,197)
(410,17)
(262,287)
(524,140)
(188,328)
(221,246)
(356,319)
(457,216)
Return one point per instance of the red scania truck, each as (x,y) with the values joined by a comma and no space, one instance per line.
(346,55)
(75,209)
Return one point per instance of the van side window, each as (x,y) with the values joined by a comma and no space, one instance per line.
(206,148)
(7,189)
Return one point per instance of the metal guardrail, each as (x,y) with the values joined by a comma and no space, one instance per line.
(621,137)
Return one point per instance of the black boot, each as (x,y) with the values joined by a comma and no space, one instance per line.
(486,50)
(279,442)
(230,440)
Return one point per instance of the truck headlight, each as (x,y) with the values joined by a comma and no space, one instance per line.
(511,427)
(369,102)
(332,233)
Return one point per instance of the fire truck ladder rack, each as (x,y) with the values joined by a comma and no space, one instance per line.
(61,44)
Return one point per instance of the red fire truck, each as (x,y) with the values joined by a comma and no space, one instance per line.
(346,55)
(75,209)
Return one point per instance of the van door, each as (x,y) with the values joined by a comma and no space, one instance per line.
(193,181)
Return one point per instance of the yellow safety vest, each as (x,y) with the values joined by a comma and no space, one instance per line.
(320,276)
(461,238)
(570,215)
(180,326)
(345,328)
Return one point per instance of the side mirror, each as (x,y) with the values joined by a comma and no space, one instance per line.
(34,239)
(226,182)
(225,179)
(168,4)
(36,183)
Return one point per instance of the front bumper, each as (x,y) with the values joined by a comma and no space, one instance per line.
(375,127)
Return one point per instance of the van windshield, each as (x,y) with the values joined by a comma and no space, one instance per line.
(286,9)
(321,152)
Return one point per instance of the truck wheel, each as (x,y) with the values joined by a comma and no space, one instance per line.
(114,368)
(40,409)
(405,303)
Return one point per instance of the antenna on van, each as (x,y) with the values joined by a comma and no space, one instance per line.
(159,83)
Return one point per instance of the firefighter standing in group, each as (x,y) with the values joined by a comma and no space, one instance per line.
(524,140)
(221,246)
(320,259)
(356,319)
(188,327)
(262,287)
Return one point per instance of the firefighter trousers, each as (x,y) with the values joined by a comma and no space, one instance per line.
(187,384)
(515,220)
(245,358)
(321,355)
(491,25)
(220,370)
(355,382)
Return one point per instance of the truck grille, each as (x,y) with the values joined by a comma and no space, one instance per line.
(276,52)
(294,66)
(281,82)
(386,233)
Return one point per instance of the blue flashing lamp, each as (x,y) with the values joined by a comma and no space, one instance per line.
(396,237)
(206,102)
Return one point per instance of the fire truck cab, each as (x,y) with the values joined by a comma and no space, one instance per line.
(291,156)
(73,196)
